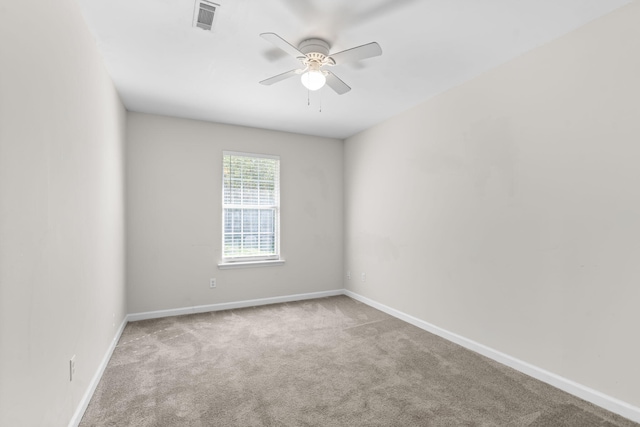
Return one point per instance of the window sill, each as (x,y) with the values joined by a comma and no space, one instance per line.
(250,264)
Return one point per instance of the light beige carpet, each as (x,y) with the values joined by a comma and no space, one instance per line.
(325,362)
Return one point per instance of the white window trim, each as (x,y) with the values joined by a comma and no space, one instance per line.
(255,261)
(250,264)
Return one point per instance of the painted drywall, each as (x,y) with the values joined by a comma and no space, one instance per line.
(507,210)
(62,128)
(174,214)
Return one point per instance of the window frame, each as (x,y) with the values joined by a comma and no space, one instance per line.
(253,259)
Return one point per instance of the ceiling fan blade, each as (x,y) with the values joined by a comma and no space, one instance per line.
(357,53)
(280,77)
(282,44)
(336,84)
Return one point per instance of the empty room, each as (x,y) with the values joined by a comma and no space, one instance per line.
(319,213)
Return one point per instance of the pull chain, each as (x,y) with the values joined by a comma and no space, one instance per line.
(309,99)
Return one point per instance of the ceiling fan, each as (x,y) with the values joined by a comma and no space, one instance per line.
(314,56)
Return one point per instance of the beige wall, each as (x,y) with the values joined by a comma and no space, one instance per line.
(61,211)
(174,214)
(507,210)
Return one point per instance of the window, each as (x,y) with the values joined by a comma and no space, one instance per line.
(251,207)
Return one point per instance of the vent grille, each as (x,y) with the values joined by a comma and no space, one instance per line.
(205,13)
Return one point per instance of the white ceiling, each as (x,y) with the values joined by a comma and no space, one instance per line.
(161,64)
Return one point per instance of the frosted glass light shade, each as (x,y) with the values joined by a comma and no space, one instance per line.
(313,80)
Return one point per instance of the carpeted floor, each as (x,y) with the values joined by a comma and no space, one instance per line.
(325,362)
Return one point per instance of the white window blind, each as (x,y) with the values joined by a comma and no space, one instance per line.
(251,206)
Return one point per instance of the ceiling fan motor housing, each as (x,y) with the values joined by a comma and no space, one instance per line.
(310,46)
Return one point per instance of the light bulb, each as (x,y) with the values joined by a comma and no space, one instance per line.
(313,79)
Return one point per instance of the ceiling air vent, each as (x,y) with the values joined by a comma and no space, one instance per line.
(204,14)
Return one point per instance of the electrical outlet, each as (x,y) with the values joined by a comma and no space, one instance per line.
(212,283)
(348,275)
(72,367)
(363,277)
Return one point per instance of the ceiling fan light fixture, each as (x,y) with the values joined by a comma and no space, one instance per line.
(313,79)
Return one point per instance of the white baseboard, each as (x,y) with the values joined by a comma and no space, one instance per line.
(230,305)
(84,402)
(586,393)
